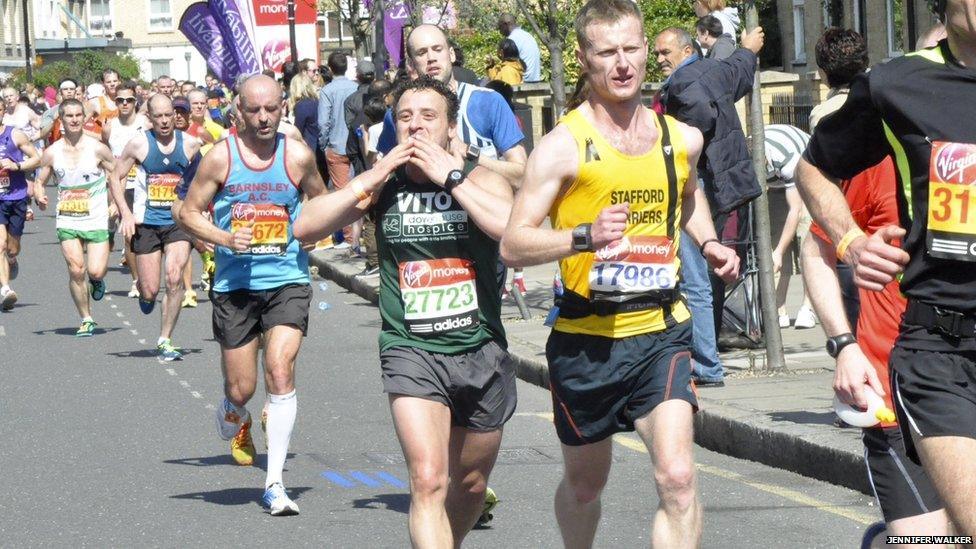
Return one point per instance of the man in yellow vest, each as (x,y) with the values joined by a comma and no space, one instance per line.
(618,183)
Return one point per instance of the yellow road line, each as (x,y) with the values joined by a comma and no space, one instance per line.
(785,493)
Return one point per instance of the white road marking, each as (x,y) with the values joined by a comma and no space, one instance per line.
(171,371)
(114,306)
(142,342)
(126,323)
(3,332)
(210,407)
(120,315)
(134,332)
(185,384)
(196,394)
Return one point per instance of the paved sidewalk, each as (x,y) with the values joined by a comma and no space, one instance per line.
(782,419)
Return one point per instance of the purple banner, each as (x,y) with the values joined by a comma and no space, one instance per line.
(234,28)
(200,27)
(396,17)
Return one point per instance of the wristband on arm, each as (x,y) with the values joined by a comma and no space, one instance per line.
(846,241)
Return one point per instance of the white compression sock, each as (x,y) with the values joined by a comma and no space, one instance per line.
(281,419)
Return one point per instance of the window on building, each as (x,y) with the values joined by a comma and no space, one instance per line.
(330,24)
(100,17)
(160,15)
(799,32)
(833,13)
(159,67)
(896,21)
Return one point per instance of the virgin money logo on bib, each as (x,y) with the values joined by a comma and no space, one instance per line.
(954,162)
(417,274)
(244,212)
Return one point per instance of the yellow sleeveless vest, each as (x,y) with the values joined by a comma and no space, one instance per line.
(647,258)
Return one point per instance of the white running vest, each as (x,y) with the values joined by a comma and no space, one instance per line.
(82,195)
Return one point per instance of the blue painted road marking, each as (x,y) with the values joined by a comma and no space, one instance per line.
(359,478)
(336,478)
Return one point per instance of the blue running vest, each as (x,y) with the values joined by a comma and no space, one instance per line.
(270,200)
(157,191)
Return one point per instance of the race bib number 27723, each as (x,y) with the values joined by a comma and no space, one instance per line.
(439,295)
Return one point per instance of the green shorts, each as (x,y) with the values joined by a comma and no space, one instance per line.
(100,235)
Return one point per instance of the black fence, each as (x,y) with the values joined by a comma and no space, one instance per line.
(792,109)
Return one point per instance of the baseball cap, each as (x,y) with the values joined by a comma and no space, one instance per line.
(181,102)
(365,67)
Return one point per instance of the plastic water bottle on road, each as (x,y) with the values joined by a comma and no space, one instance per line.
(876,412)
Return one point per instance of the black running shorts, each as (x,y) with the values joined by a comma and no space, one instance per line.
(153,238)
(478,386)
(241,315)
(901,486)
(934,394)
(600,385)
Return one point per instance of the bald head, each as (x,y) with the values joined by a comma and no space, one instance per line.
(258,88)
(159,102)
(430,53)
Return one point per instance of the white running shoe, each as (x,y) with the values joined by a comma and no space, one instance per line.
(7,299)
(134,290)
(784,321)
(805,318)
(228,421)
(278,502)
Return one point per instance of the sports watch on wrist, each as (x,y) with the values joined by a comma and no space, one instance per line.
(583,237)
(472,154)
(454,178)
(837,343)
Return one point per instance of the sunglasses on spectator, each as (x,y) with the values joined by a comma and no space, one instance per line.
(124,100)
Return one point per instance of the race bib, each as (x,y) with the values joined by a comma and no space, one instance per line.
(73,203)
(637,265)
(162,189)
(130,178)
(269,223)
(439,295)
(4,181)
(951,225)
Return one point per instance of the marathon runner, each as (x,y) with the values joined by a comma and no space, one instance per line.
(162,155)
(17,158)
(918,109)
(103,107)
(261,286)
(80,165)
(450,381)
(116,134)
(618,183)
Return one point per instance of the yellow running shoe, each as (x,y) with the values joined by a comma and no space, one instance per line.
(491,501)
(190,299)
(242,447)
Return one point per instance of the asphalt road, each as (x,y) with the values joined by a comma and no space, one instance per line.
(102,445)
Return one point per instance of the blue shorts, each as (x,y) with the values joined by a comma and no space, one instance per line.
(13,214)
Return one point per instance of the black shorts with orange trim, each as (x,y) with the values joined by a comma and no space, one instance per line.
(601,385)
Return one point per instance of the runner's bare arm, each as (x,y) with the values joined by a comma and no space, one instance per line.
(511,166)
(106,133)
(326,213)
(191,145)
(133,152)
(820,279)
(32,158)
(290,130)
(696,219)
(106,161)
(875,261)
(550,169)
(301,161)
(484,194)
(209,177)
(43,175)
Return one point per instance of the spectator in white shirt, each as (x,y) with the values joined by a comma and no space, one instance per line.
(527,46)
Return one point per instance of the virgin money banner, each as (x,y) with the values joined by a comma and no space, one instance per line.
(271,32)
(200,27)
(235,28)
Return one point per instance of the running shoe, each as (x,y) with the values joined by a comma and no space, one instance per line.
(96,288)
(229,421)
(242,447)
(278,502)
(7,299)
(491,501)
(519,284)
(167,351)
(87,329)
(134,290)
(342,246)
(14,267)
(805,318)
(189,299)
(147,306)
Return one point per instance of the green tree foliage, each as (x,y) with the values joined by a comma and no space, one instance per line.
(85,66)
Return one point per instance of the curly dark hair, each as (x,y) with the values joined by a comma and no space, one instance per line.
(425,82)
(842,54)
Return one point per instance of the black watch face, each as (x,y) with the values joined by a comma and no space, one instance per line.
(832,348)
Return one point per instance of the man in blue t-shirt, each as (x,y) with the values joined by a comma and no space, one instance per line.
(489,133)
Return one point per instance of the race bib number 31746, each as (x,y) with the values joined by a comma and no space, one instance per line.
(951,216)
(439,295)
